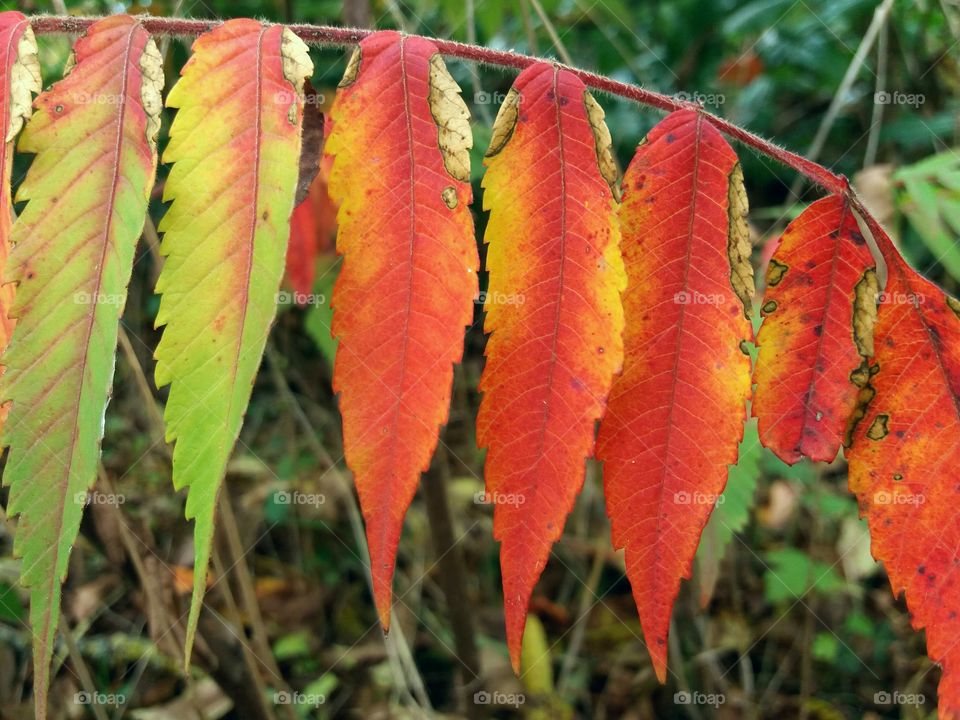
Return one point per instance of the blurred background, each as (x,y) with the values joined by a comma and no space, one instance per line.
(787,615)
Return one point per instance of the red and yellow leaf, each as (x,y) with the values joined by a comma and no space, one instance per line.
(809,343)
(905,454)
(401,168)
(676,413)
(554,314)
(93,137)
(312,229)
(234,145)
(19,80)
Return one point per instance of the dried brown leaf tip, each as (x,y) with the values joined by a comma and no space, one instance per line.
(505,123)
(738,241)
(604,143)
(450,113)
(25,82)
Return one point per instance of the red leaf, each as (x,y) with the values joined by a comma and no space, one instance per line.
(675,416)
(808,344)
(554,313)
(312,228)
(409,274)
(905,455)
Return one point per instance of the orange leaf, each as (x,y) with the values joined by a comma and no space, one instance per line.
(809,342)
(675,415)
(400,142)
(554,314)
(905,454)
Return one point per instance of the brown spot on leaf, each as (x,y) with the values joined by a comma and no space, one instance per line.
(775,272)
(878,428)
(769,306)
(865,311)
(449,196)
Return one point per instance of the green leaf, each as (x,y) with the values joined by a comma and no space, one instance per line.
(74,243)
(234,145)
(792,574)
(732,511)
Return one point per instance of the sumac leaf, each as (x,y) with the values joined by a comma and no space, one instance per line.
(676,413)
(820,280)
(94,138)
(554,313)
(400,143)
(234,145)
(905,453)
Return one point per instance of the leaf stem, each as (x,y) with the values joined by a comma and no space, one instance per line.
(338,36)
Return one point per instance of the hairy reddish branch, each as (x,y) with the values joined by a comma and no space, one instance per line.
(329,35)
